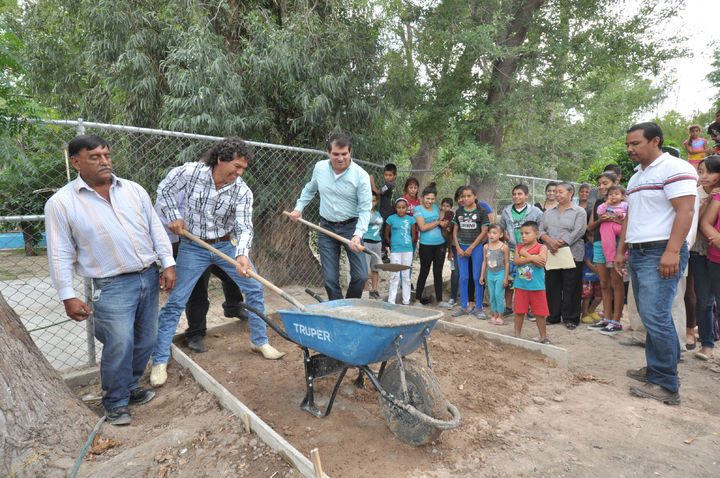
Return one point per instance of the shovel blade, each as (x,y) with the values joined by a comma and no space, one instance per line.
(392,267)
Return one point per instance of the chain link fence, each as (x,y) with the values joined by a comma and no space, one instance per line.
(35,165)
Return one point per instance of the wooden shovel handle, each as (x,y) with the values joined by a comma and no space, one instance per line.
(324,231)
(250,272)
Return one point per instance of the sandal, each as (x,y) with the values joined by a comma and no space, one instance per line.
(704,357)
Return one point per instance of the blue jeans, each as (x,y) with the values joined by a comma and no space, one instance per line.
(329,249)
(654,297)
(704,297)
(463,262)
(192,260)
(125,312)
(497,291)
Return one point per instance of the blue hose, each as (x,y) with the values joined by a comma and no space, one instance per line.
(85,448)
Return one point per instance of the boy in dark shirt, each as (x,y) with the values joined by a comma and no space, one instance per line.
(384,193)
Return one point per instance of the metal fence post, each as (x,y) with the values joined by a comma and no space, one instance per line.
(90,325)
(80,128)
(533,192)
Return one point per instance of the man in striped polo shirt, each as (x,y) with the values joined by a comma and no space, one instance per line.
(661,205)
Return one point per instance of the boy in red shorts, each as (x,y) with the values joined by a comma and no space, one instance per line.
(530,258)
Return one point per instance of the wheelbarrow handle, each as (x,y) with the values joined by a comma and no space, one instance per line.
(251,273)
(333,235)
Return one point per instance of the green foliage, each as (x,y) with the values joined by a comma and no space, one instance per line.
(395,74)
(614,152)
(714,77)
(276,72)
(30,174)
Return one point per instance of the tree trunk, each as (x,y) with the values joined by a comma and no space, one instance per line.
(503,76)
(283,250)
(38,412)
(425,159)
(27,231)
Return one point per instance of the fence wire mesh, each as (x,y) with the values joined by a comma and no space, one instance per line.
(35,165)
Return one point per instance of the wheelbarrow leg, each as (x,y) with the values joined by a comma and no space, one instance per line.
(382,370)
(360,381)
(314,369)
(308,403)
(427,350)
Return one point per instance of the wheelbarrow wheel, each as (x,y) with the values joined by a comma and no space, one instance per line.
(423,393)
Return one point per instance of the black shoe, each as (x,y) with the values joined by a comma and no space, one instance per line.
(570,325)
(195,343)
(118,416)
(140,396)
(238,312)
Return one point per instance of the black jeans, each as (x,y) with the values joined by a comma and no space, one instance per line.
(563,288)
(435,256)
(198,304)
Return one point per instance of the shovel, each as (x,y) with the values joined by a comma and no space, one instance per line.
(381,266)
(252,273)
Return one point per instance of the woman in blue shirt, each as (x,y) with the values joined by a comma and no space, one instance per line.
(432,243)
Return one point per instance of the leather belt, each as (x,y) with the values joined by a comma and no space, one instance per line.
(646,245)
(340,223)
(225,238)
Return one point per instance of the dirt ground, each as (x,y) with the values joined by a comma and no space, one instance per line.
(522,415)
(183,431)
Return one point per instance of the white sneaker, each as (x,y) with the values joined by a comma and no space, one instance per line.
(158,375)
(267,351)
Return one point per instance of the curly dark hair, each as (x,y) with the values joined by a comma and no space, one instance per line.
(226,150)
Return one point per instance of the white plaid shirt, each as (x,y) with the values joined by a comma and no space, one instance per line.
(210,213)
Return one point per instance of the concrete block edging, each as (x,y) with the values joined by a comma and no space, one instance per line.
(257,425)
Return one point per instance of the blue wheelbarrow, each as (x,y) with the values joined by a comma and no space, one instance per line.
(355,333)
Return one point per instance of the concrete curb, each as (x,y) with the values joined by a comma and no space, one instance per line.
(231,402)
(558,354)
(81,377)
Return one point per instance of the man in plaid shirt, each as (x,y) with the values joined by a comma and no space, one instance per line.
(219,203)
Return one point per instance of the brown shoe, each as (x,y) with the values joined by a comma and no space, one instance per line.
(638,374)
(656,392)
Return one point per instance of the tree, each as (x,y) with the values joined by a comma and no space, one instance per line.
(280,72)
(22,172)
(39,415)
(714,77)
(503,69)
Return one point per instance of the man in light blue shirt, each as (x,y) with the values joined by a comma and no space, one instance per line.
(345,205)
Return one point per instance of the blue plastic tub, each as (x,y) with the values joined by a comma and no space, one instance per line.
(355,341)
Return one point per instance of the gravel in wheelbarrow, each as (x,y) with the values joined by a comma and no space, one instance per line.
(358,331)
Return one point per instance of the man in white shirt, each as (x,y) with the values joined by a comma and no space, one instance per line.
(661,204)
(105,228)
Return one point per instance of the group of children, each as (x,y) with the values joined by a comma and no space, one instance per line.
(474,244)
(477,248)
